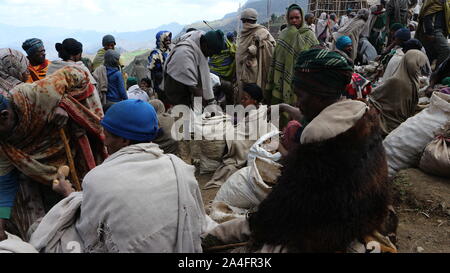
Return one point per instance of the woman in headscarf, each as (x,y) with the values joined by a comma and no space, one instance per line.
(157,59)
(353,29)
(322,28)
(397,98)
(297,37)
(13,69)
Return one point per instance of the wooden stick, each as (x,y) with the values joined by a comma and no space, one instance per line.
(224,247)
(73,173)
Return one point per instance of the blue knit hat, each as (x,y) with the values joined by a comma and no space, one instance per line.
(403,34)
(133,120)
(342,42)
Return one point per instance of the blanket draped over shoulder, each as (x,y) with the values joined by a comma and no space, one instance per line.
(12,65)
(187,65)
(35,147)
(254,54)
(396,107)
(291,42)
(130,209)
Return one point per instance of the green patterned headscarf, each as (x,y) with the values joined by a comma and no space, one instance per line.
(322,72)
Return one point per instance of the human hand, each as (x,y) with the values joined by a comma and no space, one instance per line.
(60,184)
(429,92)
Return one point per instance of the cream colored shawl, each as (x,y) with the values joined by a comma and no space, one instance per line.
(397,98)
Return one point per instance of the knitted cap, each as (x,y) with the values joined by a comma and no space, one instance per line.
(133,120)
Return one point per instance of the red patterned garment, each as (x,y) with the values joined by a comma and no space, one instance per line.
(35,147)
(358,88)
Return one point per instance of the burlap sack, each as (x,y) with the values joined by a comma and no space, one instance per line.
(436,157)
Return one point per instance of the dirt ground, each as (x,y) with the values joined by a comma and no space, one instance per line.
(423,207)
(422,203)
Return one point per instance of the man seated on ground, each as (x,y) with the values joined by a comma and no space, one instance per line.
(393,57)
(147,85)
(327,198)
(252,95)
(139,199)
(134,90)
(36,55)
(442,72)
(366,52)
(344,47)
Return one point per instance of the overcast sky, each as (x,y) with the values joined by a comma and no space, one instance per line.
(112,15)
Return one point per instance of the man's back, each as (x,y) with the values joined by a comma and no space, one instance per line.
(131,204)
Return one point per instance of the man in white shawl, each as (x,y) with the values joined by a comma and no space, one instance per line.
(187,71)
(138,200)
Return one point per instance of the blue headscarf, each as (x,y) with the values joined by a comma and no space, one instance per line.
(32,45)
(343,42)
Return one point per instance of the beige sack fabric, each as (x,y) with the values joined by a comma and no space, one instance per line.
(436,157)
(211,155)
(15,245)
(212,149)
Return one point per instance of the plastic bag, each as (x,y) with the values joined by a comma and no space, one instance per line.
(266,147)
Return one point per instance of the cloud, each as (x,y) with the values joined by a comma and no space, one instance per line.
(112,15)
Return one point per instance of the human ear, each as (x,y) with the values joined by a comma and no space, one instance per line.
(4,114)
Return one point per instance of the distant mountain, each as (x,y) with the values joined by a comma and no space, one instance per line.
(91,40)
(230,21)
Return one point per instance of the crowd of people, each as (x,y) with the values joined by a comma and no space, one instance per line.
(341,84)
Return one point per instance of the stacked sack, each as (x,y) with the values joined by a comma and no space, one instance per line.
(404,145)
